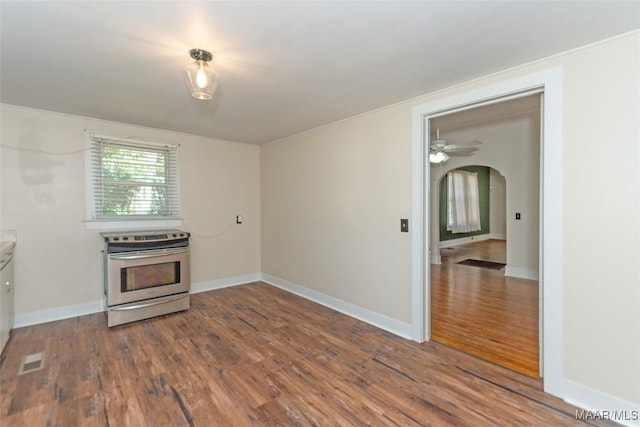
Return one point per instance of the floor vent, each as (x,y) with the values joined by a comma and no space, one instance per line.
(32,362)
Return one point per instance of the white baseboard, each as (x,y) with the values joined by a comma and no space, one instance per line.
(463,240)
(226,282)
(435,257)
(376,319)
(521,272)
(371,317)
(66,312)
(58,313)
(601,406)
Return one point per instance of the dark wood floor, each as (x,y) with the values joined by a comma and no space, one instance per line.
(484,313)
(254,355)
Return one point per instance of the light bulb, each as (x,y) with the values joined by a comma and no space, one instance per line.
(201,78)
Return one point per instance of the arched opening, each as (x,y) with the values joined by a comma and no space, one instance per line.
(492,191)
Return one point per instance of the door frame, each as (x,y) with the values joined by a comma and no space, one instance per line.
(549,82)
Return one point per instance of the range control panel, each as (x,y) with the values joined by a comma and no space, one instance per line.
(145,236)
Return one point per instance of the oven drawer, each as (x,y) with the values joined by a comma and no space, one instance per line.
(140,310)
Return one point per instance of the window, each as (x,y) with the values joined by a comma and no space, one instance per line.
(131,180)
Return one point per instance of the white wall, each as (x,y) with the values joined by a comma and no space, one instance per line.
(497,205)
(512,146)
(58,262)
(332,198)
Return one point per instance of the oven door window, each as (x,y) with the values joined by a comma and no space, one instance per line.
(149,276)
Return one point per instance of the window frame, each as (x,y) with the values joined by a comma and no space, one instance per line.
(92,220)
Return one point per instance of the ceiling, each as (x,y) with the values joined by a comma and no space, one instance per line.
(491,112)
(283,67)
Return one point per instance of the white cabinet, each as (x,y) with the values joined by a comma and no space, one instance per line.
(7,292)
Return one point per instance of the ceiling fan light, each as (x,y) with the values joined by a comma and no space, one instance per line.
(438,157)
(200,78)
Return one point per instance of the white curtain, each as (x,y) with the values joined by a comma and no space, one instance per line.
(463,202)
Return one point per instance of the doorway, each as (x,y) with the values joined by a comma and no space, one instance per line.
(548,82)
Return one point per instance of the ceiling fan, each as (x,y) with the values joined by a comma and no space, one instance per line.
(440,150)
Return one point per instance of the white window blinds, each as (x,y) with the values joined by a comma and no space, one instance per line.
(133,179)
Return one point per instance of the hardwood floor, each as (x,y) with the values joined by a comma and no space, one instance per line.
(484,313)
(254,355)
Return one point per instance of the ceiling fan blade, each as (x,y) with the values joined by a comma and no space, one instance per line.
(466,144)
(471,143)
(456,149)
(438,142)
(460,153)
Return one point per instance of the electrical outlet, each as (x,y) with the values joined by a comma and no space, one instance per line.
(404,225)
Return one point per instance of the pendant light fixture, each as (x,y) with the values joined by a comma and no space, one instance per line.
(201,79)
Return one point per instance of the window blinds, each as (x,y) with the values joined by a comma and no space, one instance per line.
(134,179)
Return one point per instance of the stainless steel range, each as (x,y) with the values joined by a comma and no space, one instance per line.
(146,274)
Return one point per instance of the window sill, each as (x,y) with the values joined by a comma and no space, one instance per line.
(129,224)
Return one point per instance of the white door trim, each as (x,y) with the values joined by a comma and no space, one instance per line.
(551,205)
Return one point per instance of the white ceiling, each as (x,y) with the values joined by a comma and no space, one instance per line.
(487,113)
(283,67)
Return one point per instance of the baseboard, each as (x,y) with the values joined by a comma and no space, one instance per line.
(435,256)
(521,272)
(601,406)
(497,236)
(376,319)
(226,282)
(464,240)
(66,312)
(371,317)
(58,313)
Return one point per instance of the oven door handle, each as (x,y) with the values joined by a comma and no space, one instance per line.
(148,254)
(146,304)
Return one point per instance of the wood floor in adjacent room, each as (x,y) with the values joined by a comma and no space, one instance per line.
(254,355)
(482,312)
